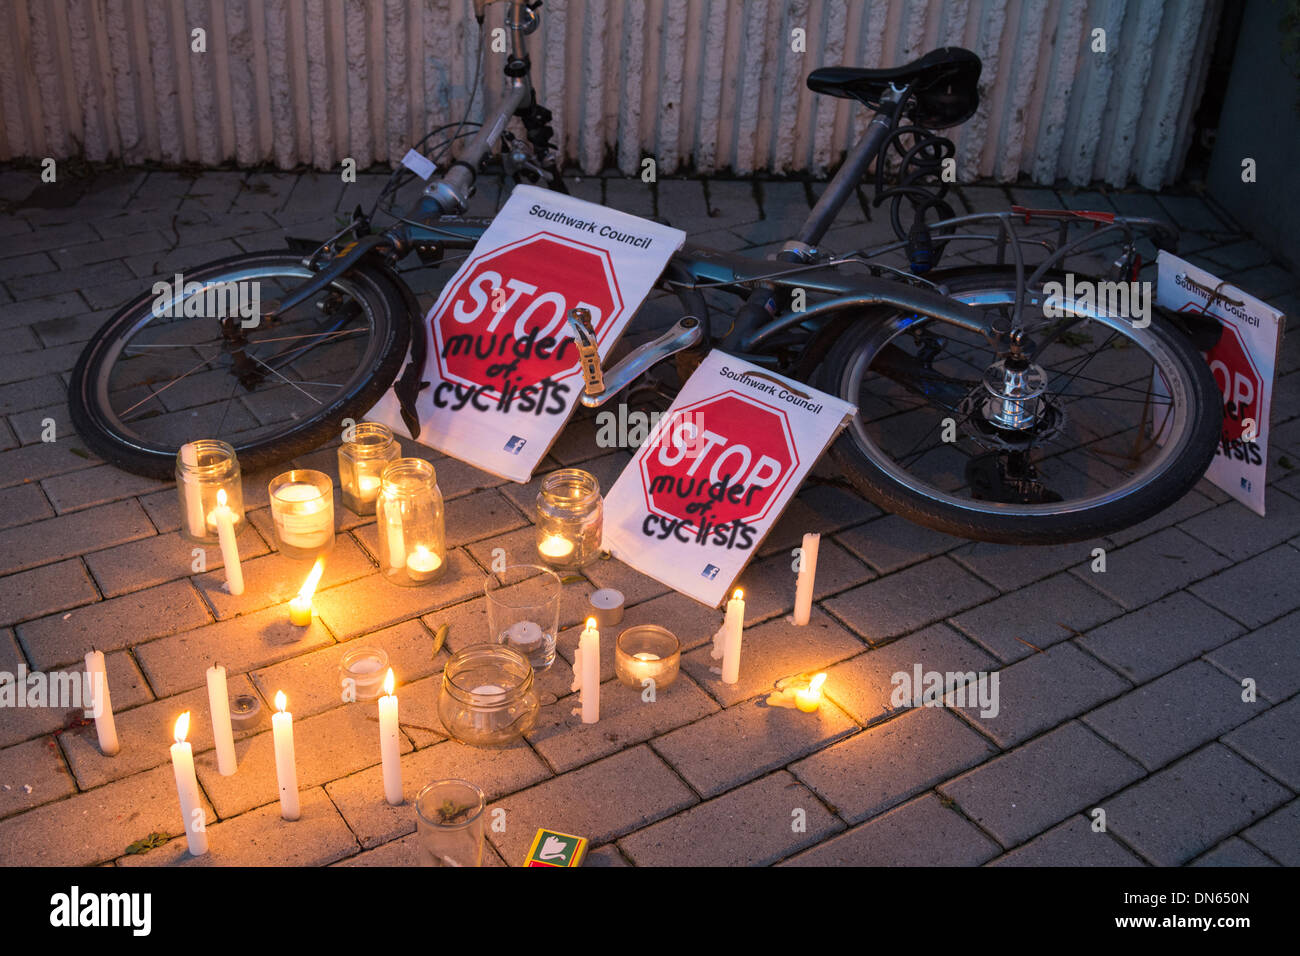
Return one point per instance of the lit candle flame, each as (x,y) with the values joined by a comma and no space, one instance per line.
(738,595)
(221,497)
(281,702)
(591,623)
(389,683)
(309,586)
(815,685)
(182,729)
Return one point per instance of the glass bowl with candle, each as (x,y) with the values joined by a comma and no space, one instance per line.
(570,515)
(523,611)
(361,673)
(488,696)
(647,652)
(208,478)
(367,450)
(412,525)
(302,512)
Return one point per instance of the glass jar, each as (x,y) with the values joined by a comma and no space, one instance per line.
(361,673)
(362,461)
(647,652)
(207,476)
(523,611)
(302,511)
(412,533)
(488,698)
(570,512)
(449,823)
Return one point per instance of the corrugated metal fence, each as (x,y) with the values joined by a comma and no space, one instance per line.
(703,84)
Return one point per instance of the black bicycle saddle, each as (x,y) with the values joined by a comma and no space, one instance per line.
(945,82)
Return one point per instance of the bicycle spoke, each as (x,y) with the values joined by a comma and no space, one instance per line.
(167,386)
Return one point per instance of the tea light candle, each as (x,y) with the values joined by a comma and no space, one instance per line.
(803,592)
(524,636)
(286,768)
(586,672)
(732,627)
(368,487)
(187,788)
(245,711)
(555,547)
(219,707)
(606,607)
(389,746)
(105,725)
(300,611)
(644,653)
(809,698)
(224,519)
(305,519)
(422,564)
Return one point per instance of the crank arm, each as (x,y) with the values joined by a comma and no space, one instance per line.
(683,335)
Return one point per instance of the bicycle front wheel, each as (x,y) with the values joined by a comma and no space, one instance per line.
(175,365)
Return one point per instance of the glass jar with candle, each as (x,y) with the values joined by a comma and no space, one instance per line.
(302,511)
(207,477)
(412,533)
(647,652)
(570,512)
(362,461)
(488,696)
(523,611)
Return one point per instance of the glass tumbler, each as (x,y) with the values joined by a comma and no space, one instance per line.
(449,823)
(412,526)
(570,514)
(207,476)
(302,510)
(523,611)
(362,460)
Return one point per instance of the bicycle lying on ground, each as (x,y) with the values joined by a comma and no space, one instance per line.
(987,408)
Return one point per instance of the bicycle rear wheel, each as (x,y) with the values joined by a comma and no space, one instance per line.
(153,377)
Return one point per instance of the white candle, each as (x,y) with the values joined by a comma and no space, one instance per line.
(732,626)
(368,487)
(305,517)
(300,611)
(187,789)
(422,564)
(803,591)
(645,656)
(286,769)
(389,748)
(554,547)
(224,519)
(586,672)
(606,606)
(102,704)
(524,636)
(193,497)
(396,540)
(222,733)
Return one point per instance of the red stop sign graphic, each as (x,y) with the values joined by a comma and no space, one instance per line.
(503,321)
(725,458)
(1239,381)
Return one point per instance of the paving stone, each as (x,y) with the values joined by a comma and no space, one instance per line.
(1180,812)
(771,651)
(1009,567)
(1042,614)
(1257,590)
(88,277)
(1041,691)
(260,838)
(606,468)
(1233,852)
(1239,533)
(33,462)
(162,558)
(31,774)
(891,542)
(475,516)
(921,833)
(1148,569)
(43,307)
(742,742)
(1278,834)
(1173,714)
(1268,741)
(360,796)
(21,396)
(1189,505)
(179,660)
(635,586)
(30,426)
(750,826)
(886,764)
(908,600)
(1158,637)
(45,590)
(1191,212)
(824,509)
(1029,789)
(125,681)
(95,486)
(519,546)
(601,801)
(626,718)
(682,203)
(122,812)
(406,852)
(40,543)
(1266,656)
(457,479)
(113,624)
(361,606)
(145,734)
(1072,843)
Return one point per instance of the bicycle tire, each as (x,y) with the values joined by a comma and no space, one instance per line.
(392,325)
(1185,468)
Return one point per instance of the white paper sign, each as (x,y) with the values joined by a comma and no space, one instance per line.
(1243,364)
(706,486)
(503,368)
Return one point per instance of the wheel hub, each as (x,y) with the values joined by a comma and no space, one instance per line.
(1015,389)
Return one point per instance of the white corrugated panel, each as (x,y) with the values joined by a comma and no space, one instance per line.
(705,85)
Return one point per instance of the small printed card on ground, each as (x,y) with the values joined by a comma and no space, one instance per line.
(551,848)
(503,368)
(715,473)
(1243,365)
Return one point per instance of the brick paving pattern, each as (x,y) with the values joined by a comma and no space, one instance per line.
(1120,691)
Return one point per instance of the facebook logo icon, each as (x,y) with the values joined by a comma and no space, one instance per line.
(516,444)
(710,571)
